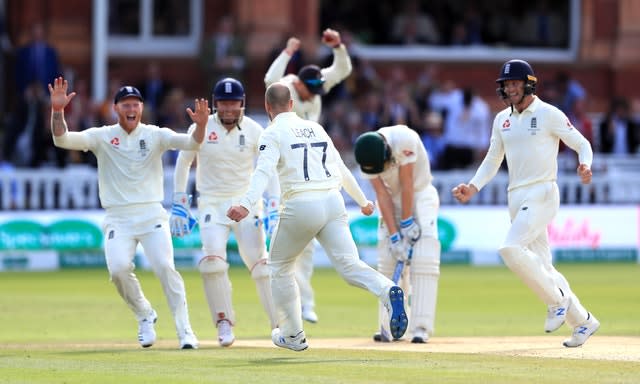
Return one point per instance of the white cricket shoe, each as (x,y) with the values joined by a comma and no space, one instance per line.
(225,333)
(420,336)
(146,330)
(188,340)
(556,315)
(308,314)
(582,332)
(295,343)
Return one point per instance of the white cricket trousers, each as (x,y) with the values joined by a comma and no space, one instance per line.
(147,224)
(319,214)
(531,209)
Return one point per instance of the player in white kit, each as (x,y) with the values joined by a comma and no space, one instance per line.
(225,162)
(397,165)
(527,133)
(130,179)
(311,174)
(307,87)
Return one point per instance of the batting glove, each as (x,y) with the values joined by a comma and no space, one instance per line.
(181,222)
(410,230)
(396,247)
(273,215)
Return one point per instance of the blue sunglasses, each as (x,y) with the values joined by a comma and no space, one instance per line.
(314,82)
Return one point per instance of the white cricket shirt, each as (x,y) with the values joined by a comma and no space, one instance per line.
(305,160)
(406,147)
(225,162)
(530,141)
(129,165)
(310,110)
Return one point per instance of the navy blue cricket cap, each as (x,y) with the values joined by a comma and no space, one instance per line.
(127,91)
(312,78)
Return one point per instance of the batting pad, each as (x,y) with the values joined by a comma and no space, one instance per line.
(260,275)
(425,273)
(217,288)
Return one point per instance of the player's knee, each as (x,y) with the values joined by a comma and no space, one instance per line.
(386,263)
(118,270)
(213,264)
(260,270)
(510,254)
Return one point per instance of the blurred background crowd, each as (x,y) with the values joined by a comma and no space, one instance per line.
(453,119)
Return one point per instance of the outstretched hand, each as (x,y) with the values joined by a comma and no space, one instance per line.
(201,114)
(464,192)
(58,94)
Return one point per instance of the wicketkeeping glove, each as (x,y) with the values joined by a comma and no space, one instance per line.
(410,230)
(396,247)
(273,215)
(181,221)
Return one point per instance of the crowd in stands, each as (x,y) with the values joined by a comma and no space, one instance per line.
(453,122)
(539,23)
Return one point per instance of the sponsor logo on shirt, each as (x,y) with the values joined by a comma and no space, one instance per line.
(242,143)
(569,124)
(115,141)
(262,147)
(143,151)
(533,127)
(212,138)
(506,126)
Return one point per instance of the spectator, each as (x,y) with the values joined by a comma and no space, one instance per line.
(36,61)
(413,26)
(5,48)
(570,91)
(372,111)
(223,53)
(80,116)
(154,88)
(618,131)
(172,114)
(544,26)
(401,107)
(447,99)
(432,137)
(28,142)
(468,133)
(581,120)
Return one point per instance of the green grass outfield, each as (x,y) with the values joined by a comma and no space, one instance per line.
(72,327)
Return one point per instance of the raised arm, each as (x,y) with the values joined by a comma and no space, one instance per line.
(200,117)
(279,66)
(341,66)
(59,100)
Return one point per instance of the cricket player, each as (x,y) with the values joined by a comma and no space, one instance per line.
(397,165)
(311,174)
(527,133)
(225,162)
(130,181)
(307,87)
